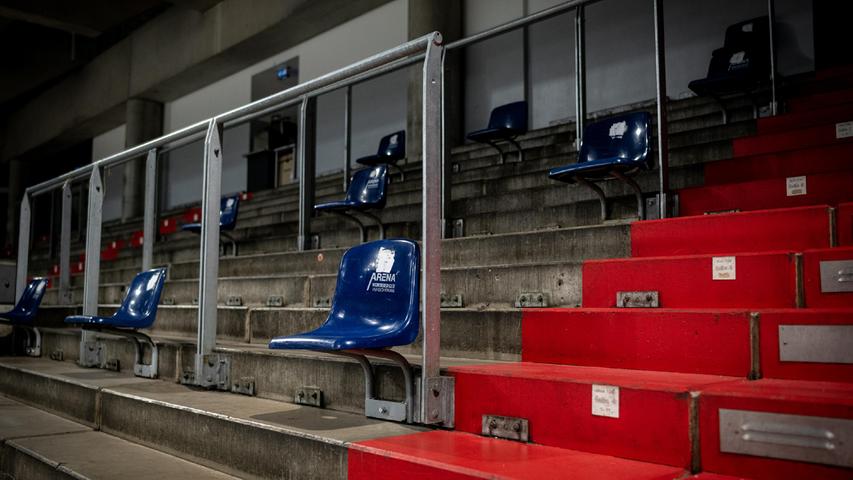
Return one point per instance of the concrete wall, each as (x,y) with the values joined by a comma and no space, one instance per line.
(104,145)
(379,104)
(619,52)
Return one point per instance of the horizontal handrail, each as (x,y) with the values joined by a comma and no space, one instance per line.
(243,113)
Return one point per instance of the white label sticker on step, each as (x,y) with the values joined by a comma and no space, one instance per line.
(844,130)
(796,186)
(605,401)
(724,268)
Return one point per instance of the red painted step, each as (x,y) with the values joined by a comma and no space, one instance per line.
(820,189)
(844,224)
(748,280)
(778,229)
(804,137)
(820,407)
(796,121)
(819,295)
(792,163)
(651,423)
(454,456)
(820,100)
(697,341)
(807,344)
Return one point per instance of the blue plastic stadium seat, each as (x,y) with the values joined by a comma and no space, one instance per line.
(505,123)
(24,312)
(228,208)
(392,149)
(375,307)
(366,192)
(742,65)
(612,148)
(138,310)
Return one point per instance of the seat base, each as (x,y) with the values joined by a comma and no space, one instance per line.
(93,353)
(375,407)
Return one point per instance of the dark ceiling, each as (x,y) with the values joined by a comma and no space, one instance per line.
(44,40)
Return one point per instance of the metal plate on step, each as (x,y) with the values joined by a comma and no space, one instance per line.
(167,301)
(508,428)
(275,301)
(649,299)
(93,352)
(112,364)
(816,343)
(836,276)
(309,396)
(385,409)
(531,300)
(57,355)
(322,302)
(823,440)
(234,301)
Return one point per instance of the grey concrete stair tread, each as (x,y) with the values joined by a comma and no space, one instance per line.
(36,442)
(245,436)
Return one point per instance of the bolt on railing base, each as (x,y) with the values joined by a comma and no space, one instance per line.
(215,372)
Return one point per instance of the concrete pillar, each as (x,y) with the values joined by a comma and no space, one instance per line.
(426,16)
(144,121)
(16,191)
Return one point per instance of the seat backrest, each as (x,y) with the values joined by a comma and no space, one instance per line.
(139,307)
(30,300)
(512,116)
(393,147)
(625,137)
(746,50)
(367,186)
(228,212)
(377,291)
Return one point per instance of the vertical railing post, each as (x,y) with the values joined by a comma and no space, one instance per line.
(436,392)
(149,223)
(347,134)
(92,271)
(580,75)
(24,226)
(65,245)
(771,20)
(209,255)
(305,167)
(663,141)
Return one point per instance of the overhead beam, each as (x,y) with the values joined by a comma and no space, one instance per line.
(49,22)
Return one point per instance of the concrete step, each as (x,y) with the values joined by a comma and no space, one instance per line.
(489,285)
(813,189)
(277,375)
(744,280)
(804,137)
(831,290)
(796,121)
(574,243)
(791,163)
(807,344)
(443,454)
(241,435)
(37,444)
(844,224)
(761,230)
(474,333)
(777,429)
(634,414)
(713,342)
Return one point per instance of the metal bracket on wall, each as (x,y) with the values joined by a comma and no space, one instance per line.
(244,386)
(93,354)
(312,396)
(215,374)
(452,300)
(508,428)
(275,301)
(649,299)
(531,299)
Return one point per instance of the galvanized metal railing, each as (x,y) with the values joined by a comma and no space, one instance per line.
(436,393)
